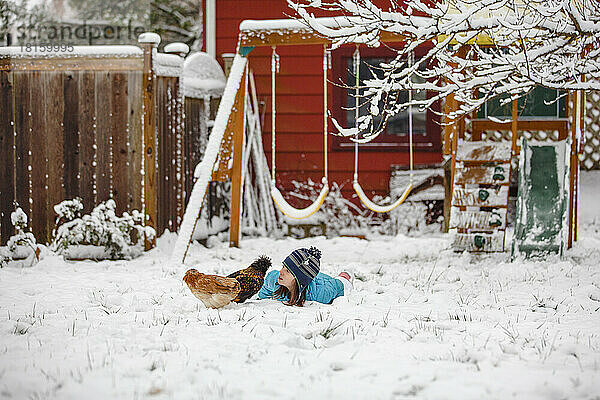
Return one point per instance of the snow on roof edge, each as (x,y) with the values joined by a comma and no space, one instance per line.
(294,24)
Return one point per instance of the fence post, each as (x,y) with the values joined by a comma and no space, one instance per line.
(573,164)
(149,42)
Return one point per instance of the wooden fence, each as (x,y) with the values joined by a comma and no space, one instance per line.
(75,125)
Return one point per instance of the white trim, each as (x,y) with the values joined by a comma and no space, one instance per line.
(211,27)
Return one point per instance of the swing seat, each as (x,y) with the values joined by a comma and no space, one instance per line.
(376,207)
(284,206)
(357,188)
(299,213)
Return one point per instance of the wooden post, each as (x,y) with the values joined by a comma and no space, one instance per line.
(149,43)
(450,135)
(573,167)
(461,127)
(457,131)
(476,135)
(581,149)
(450,125)
(236,171)
(448,201)
(514,127)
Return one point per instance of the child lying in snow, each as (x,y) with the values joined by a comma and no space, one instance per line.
(300,280)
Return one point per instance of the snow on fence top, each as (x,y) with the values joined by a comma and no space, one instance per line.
(149,37)
(64,51)
(177,48)
(202,76)
(249,25)
(168,65)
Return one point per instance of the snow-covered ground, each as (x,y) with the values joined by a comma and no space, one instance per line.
(422,322)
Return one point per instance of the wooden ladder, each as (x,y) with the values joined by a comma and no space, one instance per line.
(480,195)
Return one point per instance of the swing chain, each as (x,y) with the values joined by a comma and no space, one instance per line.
(274,70)
(275,193)
(275,60)
(356,62)
(356,185)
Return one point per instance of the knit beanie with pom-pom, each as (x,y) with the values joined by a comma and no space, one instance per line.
(304,264)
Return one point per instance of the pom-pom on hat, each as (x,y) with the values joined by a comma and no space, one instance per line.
(304,264)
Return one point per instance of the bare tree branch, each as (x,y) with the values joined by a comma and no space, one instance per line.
(512,47)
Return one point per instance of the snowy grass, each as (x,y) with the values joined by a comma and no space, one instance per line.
(422,322)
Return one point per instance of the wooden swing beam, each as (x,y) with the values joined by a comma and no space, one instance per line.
(291,32)
(288,38)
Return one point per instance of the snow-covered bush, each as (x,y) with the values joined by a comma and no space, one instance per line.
(22,237)
(410,219)
(340,214)
(121,237)
(22,244)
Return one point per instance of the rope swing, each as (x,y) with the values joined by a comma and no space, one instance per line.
(357,188)
(282,204)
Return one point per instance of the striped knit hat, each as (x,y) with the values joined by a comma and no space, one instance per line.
(304,265)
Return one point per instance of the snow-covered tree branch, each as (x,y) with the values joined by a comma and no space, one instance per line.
(476,49)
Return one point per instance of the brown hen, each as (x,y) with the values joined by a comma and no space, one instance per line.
(218,291)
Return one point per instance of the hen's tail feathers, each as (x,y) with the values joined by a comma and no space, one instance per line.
(262,264)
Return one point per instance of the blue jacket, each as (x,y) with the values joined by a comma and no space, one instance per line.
(323,288)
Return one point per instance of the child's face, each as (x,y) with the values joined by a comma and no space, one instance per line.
(286,278)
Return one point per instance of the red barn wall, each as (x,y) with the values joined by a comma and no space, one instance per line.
(299,108)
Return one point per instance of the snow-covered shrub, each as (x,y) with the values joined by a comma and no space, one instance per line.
(410,219)
(22,237)
(121,237)
(340,214)
(68,210)
(22,244)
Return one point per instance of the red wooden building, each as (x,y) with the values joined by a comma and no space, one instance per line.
(299,102)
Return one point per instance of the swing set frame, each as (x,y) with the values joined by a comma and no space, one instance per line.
(275,33)
(289,32)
